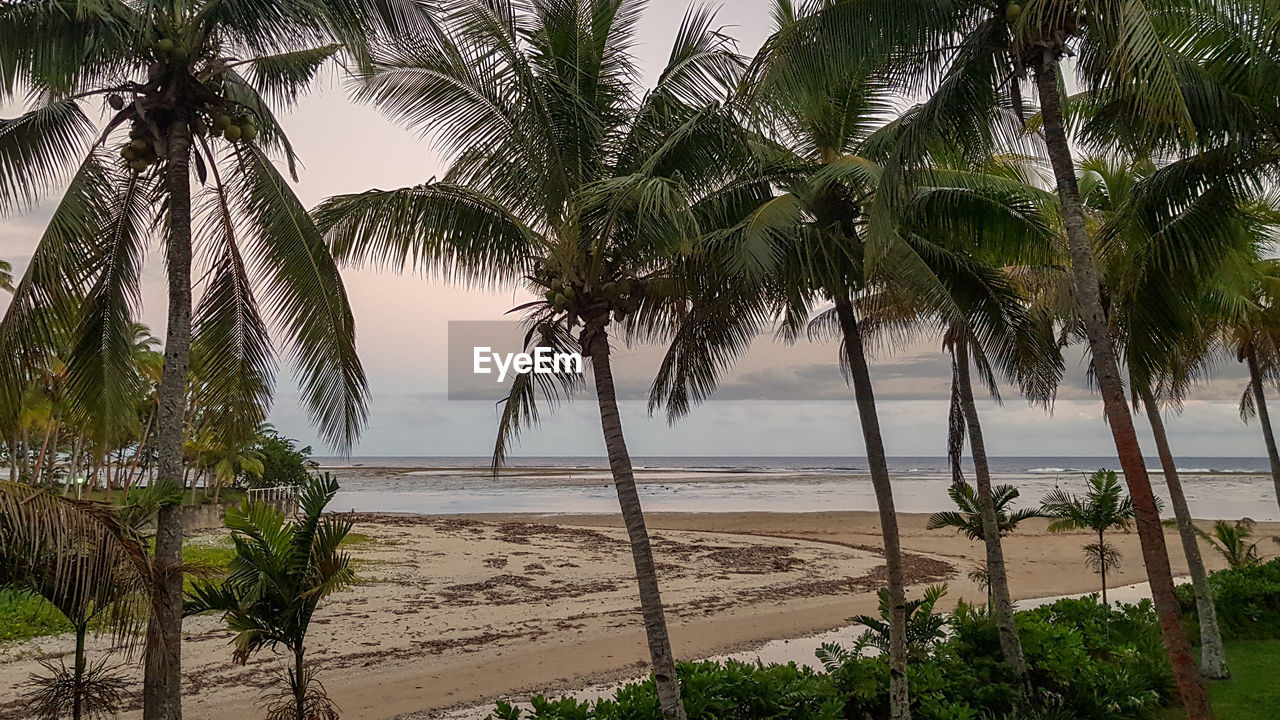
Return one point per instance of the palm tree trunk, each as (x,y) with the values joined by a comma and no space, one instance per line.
(1089,301)
(1213,658)
(299,685)
(142,444)
(77,691)
(52,465)
(997,575)
(13,456)
(44,447)
(162,684)
(1102,567)
(1264,418)
(655,623)
(899,700)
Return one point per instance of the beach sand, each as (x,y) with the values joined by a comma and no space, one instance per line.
(458,611)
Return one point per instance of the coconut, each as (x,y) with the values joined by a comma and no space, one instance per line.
(139,144)
(222,122)
(1012,12)
(557,285)
(550,295)
(232,133)
(569,293)
(560,300)
(164,46)
(180,54)
(138,165)
(128,153)
(248,132)
(115,101)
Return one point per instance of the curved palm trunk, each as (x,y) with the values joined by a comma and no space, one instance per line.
(997,575)
(77,691)
(1213,658)
(1102,567)
(899,699)
(655,622)
(162,684)
(1264,418)
(1089,300)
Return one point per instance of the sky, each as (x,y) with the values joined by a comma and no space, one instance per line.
(779,400)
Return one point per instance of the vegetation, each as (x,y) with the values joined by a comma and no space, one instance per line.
(1103,507)
(281,571)
(1083,660)
(1247,599)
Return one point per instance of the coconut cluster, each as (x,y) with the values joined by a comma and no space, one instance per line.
(177,82)
(590,301)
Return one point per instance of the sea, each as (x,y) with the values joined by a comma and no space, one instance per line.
(1216,487)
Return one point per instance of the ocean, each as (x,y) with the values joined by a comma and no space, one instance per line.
(1216,487)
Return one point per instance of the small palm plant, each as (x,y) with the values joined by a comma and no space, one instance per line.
(924,626)
(1231,541)
(1104,507)
(281,571)
(968,519)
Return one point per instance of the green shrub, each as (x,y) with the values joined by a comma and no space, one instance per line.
(283,462)
(1084,661)
(1247,600)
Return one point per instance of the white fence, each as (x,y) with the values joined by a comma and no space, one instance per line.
(285,498)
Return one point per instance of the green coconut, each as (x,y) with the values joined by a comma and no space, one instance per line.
(1013,12)
(550,295)
(164,46)
(138,165)
(560,300)
(232,133)
(248,131)
(221,122)
(570,293)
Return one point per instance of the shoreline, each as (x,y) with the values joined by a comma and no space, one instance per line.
(457,611)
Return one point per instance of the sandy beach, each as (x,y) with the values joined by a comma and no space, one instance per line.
(456,611)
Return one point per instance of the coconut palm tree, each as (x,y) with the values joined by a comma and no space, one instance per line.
(832,251)
(187,89)
(1231,541)
(1103,507)
(281,571)
(568,180)
(971,58)
(1163,313)
(6,276)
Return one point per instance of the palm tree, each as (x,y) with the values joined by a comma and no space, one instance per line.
(87,563)
(967,519)
(1231,541)
(281,571)
(188,88)
(970,57)
(567,179)
(6,276)
(844,240)
(1104,507)
(1163,318)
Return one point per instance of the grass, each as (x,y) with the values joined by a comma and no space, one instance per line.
(24,616)
(1252,692)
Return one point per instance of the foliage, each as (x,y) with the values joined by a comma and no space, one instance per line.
(1104,507)
(283,462)
(1247,599)
(281,571)
(1231,541)
(924,626)
(25,615)
(101,690)
(968,519)
(1084,661)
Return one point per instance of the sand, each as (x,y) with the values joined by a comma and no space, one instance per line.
(458,611)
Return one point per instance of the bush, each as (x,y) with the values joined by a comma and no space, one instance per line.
(283,462)
(1084,661)
(1247,600)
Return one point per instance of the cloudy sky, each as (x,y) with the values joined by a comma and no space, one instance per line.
(780,400)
